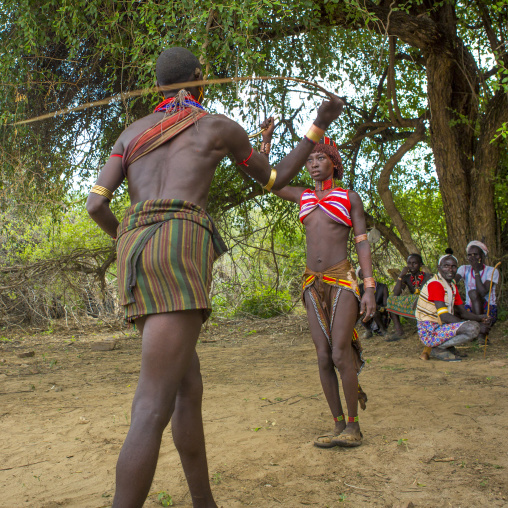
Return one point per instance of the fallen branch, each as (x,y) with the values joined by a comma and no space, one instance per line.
(461,414)
(24,465)
(21,391)
(279,401)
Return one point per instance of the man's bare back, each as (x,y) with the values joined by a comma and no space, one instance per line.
(184,167)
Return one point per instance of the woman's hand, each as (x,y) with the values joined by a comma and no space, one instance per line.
(368,305)
(476,265)
(403,272)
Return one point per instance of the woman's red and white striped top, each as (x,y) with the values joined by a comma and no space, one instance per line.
(335,204)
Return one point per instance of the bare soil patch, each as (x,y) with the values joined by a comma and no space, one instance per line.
(435,432)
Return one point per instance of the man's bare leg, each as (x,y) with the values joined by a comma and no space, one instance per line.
(466,332)
(399,331)
(342,334)
(168,348)
(378,318)
(477,307)
(188,435)
(327,375)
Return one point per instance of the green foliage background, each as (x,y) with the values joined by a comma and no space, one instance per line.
(62,53)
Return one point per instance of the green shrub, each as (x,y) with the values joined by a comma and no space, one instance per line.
(265,302)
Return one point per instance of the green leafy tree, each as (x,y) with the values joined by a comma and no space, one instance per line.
(425,83)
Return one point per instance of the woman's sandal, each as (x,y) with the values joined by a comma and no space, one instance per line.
(347,440)
(325,441)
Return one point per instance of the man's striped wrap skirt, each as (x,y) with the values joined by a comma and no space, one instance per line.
(166,249)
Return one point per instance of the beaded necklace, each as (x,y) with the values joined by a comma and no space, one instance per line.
(323,185)
(169,104)
(417,281)
(481,273)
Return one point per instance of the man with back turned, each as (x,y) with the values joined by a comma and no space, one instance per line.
(166,247)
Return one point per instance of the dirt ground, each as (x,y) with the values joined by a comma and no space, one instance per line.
(435,432)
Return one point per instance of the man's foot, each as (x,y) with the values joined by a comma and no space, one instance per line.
(456,352)
(350,438)
(443,355)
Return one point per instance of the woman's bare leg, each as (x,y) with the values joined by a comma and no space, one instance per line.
(396,323)
(342,333)
(327,375)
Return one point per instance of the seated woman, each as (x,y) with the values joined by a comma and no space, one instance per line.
(413,278)
(379,323)
(329,289)
(443,321)
(477,277)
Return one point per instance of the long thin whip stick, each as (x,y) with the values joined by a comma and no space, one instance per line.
(488,310)
(174,86)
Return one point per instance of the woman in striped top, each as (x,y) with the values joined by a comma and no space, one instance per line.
(330,292)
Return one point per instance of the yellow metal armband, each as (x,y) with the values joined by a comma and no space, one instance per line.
(102,191)
(271,181)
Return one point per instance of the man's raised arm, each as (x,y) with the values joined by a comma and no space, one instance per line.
(256,165)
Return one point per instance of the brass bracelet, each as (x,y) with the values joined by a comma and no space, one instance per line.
(315,133)
(271,181)
(442,310)
(102,191)
(360,238)
(369,282)
(265,148)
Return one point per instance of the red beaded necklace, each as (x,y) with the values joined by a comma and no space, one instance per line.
(323,185)
(481,273)
(417,281)
(168,104)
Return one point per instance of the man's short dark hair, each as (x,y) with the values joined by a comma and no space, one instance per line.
(175,65)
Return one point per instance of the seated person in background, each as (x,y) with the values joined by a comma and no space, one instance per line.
(413,278)
(477,278)
(379,323)
(443,321)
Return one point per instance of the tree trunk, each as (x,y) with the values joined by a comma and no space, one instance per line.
(452,145)
(465,159)
(483,221)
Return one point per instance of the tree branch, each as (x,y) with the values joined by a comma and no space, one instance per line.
(495,45)
(388,234)
(384,186)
